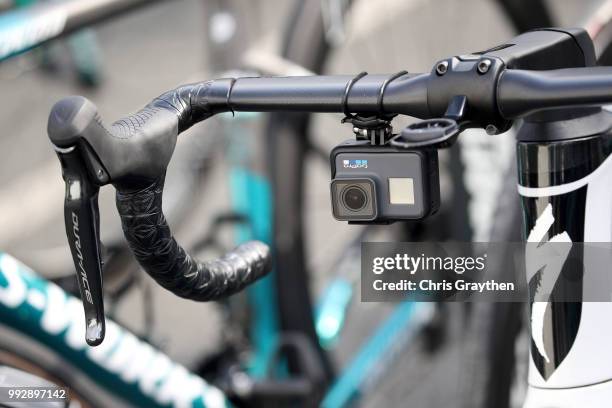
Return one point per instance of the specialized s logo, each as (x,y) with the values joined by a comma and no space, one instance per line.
(544,264)
(79,254)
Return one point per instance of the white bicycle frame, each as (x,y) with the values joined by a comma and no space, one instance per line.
(570,363)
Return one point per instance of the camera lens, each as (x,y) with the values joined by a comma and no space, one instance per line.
(354,198)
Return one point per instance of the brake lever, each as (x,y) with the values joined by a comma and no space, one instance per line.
(82,220)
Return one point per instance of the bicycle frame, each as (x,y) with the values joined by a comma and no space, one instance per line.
(251,197)
(26,28)
(128,367)
(570,200)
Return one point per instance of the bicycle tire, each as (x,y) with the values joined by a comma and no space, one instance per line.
(24,353)
(489,357)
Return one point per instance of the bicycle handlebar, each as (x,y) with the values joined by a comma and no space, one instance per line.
(134,152)
(133,155)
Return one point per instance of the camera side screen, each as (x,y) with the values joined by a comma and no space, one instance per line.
(401,190)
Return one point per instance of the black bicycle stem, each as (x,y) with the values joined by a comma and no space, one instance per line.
(538,70)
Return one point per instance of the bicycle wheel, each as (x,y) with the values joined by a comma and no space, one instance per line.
(496,350)
(295,152)
(22,353)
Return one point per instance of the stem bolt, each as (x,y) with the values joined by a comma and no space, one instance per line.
(483,66)
(442,67)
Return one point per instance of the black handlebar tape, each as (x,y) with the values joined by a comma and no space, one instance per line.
(133,154)
(156,250)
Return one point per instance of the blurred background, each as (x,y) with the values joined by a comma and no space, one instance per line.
(124,62)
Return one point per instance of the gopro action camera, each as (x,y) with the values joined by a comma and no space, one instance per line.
(383,184)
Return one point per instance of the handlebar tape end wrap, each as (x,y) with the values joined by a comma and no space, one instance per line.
(153,245)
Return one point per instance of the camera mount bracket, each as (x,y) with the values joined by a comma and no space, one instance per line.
(434,133)
(376,128)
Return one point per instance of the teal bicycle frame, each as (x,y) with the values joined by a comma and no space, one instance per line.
(124,365)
